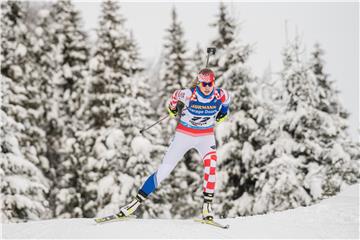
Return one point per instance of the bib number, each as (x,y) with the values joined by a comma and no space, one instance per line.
(200,119)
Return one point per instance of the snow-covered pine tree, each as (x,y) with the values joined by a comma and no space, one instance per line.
(174,73)
(225,27)
(235,53)
(21,103)
(229,50)
(43,53)
(145,152)
(270,88)
(109,65)
(117,108)
(24,103)
(134,60)
(42,42)
(42,46)
(71,54)
(239,138)
(109,91)
(303,160)
(328,96)
(127,116)
(327,101)
(342,154)
(23,186)
(283,161)
(31,10)
(121,159)
(197,60)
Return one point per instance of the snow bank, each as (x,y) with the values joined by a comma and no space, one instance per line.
(336,217)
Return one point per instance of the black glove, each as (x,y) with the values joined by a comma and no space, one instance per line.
(220,117)
(179,108)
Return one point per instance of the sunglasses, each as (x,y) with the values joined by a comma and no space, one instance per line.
(204,84)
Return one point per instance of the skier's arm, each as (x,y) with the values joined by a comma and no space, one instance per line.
(176,103)
(224,110)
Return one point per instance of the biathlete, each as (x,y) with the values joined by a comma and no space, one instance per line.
(200,108)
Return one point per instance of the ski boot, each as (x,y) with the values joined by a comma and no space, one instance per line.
(130,208)
(207,212)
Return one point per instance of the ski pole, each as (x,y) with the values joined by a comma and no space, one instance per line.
(158,121)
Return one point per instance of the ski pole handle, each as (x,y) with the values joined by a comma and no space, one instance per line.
(210,51)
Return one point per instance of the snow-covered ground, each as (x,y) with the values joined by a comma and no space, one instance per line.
(336,217)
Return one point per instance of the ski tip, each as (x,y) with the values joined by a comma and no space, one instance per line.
(113,218)
(99,220)
(213,223)
(96,221)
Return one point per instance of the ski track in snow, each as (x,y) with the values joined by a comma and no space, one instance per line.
(336,217)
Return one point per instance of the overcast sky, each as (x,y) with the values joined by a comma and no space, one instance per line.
(334,25)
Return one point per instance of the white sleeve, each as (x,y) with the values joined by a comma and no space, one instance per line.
(180,95)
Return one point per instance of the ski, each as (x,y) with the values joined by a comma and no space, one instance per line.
(113,218)
(212,223)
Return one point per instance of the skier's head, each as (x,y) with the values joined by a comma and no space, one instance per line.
(206,80)
(206,75)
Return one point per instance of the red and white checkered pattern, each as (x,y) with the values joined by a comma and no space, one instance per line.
(174,99)
(209,172)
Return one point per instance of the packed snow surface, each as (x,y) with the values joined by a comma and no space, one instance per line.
(335,217)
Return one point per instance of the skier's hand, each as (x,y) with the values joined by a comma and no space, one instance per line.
(221,117)
(180,106)
(172,112)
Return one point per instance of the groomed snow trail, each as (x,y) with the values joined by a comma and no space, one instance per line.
(336,217)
